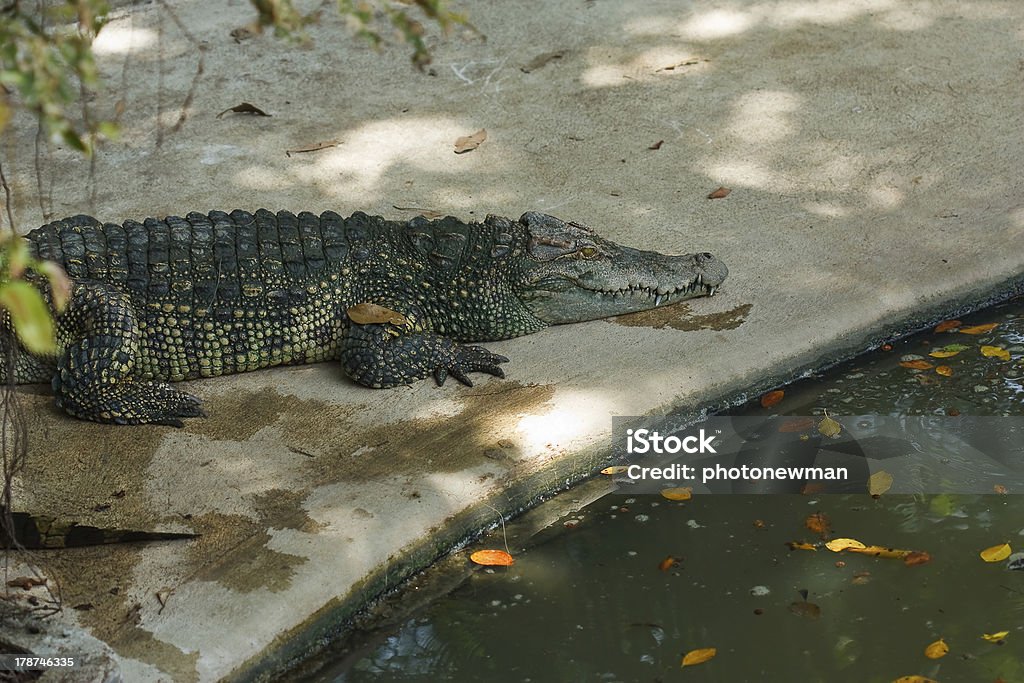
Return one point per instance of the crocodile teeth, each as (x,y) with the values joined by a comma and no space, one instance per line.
(711,291)
(657,300)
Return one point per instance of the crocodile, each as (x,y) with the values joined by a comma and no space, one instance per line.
(205,295)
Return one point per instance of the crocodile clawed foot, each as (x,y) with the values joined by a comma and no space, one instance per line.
(468,359)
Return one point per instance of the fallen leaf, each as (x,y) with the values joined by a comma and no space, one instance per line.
(818,523)
(677,493)
(720,193)
(673,67)
(772,398)
(699,656)
(944,370)
(812,487)
(879,483)
(917,557)
(615,469)
(996,553)
(937,650)
(979,329)
(837,545)
(914,679)
(947,325)
(917,364)
(429,214)
(657,145)
(829,427)
(315,147)
(541,60)
(807,610)
(759,524)
(797,424)
(861,578)
(26,582)
(995,352)
(492,558)
(1000,489)
(468,143)
(244,108)
(948,351)
(801,545)
(368,314)
(668,563)
(995,637)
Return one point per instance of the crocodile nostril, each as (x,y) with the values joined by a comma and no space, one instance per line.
(704,257)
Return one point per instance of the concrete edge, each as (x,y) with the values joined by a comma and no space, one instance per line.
(330,623)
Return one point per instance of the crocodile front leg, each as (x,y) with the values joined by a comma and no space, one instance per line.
(95,373)
(391,353)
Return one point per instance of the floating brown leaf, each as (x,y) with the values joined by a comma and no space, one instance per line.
(315,147)
(244,108)
(917,557)
(1000,489)
(797,424)
(468,143)
(720,193)
(772,398)
(369,314)
(947,325)
(492,558)
(668,563)
(944,370)
(829,427)
(541,60)
(801,545)
(818,523)
(917,364)
(807,610)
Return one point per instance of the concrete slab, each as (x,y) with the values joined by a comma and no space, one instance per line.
(873,151)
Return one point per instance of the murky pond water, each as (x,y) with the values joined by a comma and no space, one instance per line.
(634,581)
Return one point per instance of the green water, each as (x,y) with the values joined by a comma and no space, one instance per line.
(594,600)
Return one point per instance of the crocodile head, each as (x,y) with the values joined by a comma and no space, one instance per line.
(569,274)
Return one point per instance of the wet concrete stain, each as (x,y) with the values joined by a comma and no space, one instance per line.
(681,317)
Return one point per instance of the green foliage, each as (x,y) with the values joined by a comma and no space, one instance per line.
(46,58)
(23,301)
(370,20)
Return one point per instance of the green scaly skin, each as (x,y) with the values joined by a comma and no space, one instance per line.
(209,295)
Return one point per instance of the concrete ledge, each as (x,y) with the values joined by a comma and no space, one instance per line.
(872,149)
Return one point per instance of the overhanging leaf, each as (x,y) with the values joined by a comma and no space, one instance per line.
(31,317)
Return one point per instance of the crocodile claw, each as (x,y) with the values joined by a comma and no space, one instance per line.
(470,359)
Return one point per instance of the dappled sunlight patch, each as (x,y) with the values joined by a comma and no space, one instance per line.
(577,418)
(748,173)
(765,116)
(718,23)
(826,209)
(121,40)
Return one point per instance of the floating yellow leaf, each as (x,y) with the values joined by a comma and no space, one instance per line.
(772,397)
(879,483)
(699,656)
(979,329)
(678,493)
(943,354)
(829,427)
(995,637)
(614,469)
(996,553)
(995,352)
(492,558)
(917,364)
(368,314)
(937,650)
(948,351)
(944,370)
(840,544)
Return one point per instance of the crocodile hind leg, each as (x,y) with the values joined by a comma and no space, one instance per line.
(95,373)
(384,355)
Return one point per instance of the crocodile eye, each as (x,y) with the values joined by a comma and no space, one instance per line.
(588,252)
